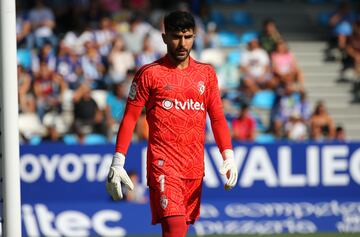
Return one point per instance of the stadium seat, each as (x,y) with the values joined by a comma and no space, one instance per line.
(240,18)
(95,139)
(229,39)
(234,57)
(217,17)
(265,138)
(247,36)
(35,140)
(263,99)
(70,139)
(24,58)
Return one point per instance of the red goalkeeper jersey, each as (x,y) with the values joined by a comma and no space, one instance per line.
(176,102)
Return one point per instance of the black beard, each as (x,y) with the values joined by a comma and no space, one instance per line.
(177,58)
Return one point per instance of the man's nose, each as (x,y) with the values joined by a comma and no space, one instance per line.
(182,41)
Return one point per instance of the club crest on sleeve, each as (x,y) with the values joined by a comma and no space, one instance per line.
(132,92)
(201,87)
(163,201)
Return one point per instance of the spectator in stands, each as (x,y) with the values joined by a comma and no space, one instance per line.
(295,128)
(321,122)
(316,134)
(24,38)
(137,31)
(353,49)
(26,97)
(285,68)
(288,105)
(305,110)
(141,6)
(48,89)
(148,54)
(92,66)
(212,37)
(52,135)
(244,126)
(80,45)
(229,81)
(69,66)
(120,60)
(115,106)
(79,135)
(105,36)
(88,118)
(42,20)
(93,13)
(340,23)
(340,134)
(155,35)
(111,6)
(46,55)
(255,67)
(269,36)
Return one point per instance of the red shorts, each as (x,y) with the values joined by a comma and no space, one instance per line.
(171,196)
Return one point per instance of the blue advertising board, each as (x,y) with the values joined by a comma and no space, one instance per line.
(282,187)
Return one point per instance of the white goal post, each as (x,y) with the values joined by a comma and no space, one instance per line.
(9,138)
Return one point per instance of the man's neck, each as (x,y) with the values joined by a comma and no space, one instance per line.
(180,64)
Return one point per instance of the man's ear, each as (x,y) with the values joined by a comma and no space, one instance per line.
(163,35)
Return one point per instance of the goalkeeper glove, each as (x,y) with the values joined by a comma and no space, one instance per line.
(117,175)
(229,169)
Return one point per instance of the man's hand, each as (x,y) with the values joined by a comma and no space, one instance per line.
(117,175)
(229,169)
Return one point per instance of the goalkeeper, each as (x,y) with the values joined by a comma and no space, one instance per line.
(177,92)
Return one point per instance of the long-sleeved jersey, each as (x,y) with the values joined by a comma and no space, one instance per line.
(176,102)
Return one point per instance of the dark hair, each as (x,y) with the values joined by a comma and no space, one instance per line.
(179,21)
(268,21)
(339,128)
(245,105)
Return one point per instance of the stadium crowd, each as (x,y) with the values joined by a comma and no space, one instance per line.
(76,60)
(344,42)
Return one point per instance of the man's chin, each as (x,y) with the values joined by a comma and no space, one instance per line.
(181,58)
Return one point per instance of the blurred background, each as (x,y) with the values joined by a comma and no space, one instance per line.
(289,76)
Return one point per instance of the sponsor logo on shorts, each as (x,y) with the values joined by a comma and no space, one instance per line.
(163,201)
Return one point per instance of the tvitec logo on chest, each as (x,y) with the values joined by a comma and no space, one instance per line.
(189,104)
